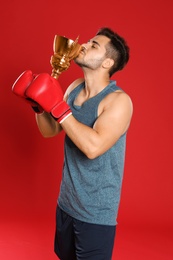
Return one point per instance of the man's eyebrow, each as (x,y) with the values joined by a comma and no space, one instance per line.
(95,42)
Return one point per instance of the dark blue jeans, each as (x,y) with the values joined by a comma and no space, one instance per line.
(77,240)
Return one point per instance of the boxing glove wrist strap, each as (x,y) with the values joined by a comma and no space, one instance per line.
(61,111)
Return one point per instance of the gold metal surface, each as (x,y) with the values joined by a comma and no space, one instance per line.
(65,50)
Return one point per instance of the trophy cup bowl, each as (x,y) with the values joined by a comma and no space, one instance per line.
(65,50)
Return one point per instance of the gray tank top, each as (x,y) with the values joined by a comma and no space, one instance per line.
(90,188)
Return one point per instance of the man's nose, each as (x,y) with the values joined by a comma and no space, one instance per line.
(85,46)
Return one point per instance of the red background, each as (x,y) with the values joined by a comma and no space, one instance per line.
(30,166)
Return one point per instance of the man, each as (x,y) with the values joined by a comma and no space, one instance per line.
(95,115)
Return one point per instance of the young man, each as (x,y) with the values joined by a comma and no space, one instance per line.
(95,115)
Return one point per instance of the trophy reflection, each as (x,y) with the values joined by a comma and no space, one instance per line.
(65,50)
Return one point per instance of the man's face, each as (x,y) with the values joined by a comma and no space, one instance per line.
(93,52)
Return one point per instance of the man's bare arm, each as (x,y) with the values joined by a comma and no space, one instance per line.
(113,122)
(47,126)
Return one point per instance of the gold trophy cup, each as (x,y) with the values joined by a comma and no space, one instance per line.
(65,50)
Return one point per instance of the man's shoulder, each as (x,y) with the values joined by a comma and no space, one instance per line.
(118,94)
(72,86)
(117,101)
(75,83)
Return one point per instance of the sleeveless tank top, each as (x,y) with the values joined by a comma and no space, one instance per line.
(90,188)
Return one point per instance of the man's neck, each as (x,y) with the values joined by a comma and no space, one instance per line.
(95,83)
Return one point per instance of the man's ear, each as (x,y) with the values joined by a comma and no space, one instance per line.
(108,63)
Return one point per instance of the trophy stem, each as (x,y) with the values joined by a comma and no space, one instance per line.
(55,74)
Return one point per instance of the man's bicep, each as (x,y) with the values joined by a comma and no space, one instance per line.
(113,122)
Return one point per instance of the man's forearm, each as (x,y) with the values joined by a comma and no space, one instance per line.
(47,126)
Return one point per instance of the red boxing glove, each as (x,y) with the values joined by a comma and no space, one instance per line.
(47,92)
(20,86)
